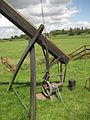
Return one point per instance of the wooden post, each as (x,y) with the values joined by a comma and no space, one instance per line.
(89,83)
(85,52)
(32,112)
(61,76)
(58,66)
(65,73)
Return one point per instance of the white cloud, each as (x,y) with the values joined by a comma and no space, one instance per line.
(20,4)
(4,22)
(7,32)
(57,2)
(80,24)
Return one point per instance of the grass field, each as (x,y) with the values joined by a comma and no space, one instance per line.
(76,103)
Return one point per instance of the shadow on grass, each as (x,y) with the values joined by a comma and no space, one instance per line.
(23,84)
(20,84)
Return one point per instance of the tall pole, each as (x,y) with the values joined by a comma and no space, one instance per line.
(32,112)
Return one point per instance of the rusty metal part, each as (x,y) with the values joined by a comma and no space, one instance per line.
(46,88)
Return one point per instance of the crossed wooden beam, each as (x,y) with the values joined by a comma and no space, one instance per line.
(27,50)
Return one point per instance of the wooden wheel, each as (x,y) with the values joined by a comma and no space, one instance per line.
(47,88)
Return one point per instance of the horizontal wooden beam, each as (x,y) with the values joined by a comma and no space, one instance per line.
(28,28)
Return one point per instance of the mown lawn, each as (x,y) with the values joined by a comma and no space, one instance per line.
(76,103)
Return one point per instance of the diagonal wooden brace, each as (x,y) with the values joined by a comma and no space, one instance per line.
(36,36)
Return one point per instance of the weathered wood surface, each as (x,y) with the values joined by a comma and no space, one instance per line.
(32,112)
(22,23)
(32,115)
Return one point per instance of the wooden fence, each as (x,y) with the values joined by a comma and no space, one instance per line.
(82,52)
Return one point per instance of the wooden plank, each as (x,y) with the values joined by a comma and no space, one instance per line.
(87,49)
(22,23)
(77,54)
(76,50)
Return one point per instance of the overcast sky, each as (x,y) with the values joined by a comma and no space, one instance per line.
(59,14)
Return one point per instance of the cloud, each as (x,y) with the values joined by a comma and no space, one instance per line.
(7,32)
(4,22)
(20,4)
(58,2)
(57,15)
(81,24)
(54,16)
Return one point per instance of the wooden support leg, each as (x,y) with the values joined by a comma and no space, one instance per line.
(65,73)
(32,112)
(89,83)
(61,71)
(58,66)
(85,84)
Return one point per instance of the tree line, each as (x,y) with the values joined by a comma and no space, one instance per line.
(71,31)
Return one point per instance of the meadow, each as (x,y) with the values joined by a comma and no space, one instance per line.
(76,103)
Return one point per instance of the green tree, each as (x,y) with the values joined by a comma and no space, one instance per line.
(71,32)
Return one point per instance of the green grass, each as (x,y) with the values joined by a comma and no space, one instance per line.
(77,102)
